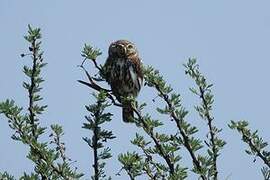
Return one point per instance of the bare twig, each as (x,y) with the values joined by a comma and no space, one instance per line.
(95,63)
(91,83)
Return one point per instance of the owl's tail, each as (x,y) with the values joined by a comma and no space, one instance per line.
(128,114)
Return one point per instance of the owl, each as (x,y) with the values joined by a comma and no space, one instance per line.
(123,72)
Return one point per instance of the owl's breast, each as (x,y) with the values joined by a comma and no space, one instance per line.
(123,78)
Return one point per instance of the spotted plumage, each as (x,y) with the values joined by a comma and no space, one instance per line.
(123,72)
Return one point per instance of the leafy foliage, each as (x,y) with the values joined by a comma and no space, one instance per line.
(100,136)
(204,92)
(132,163)
(26,126)
(90,53)
(6,176)
(256,145)
(166,146)
(159,154)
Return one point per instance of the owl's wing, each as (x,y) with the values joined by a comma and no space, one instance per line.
(135,71)
(106,69)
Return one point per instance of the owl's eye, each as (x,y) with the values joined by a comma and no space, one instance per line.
(119,46)
(130,46)
(113,47)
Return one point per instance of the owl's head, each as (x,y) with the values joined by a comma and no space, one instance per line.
(123,49)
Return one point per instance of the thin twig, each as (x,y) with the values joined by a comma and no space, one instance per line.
(60,147)
(149,159)
(130,175)
(95,63)
(31,90)
(92,83)
(165,156)
(95,142)
(253,147)
(212,135)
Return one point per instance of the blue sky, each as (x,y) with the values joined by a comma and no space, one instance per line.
(229,38)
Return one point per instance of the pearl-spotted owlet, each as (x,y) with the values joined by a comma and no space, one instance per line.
(123,71)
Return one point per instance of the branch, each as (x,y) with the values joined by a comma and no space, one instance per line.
(158,145)
(95,148)
(256,143)
(26,126)
(94,123)
(185,137)
(204,110)
(31,89)
(34,148)
(212,134)
(259,153)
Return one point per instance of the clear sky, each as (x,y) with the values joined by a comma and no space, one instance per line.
(229,38)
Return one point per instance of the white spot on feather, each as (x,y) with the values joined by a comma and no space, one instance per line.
(134,77)
(140,81)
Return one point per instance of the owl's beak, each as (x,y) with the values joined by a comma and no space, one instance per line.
(125,50)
